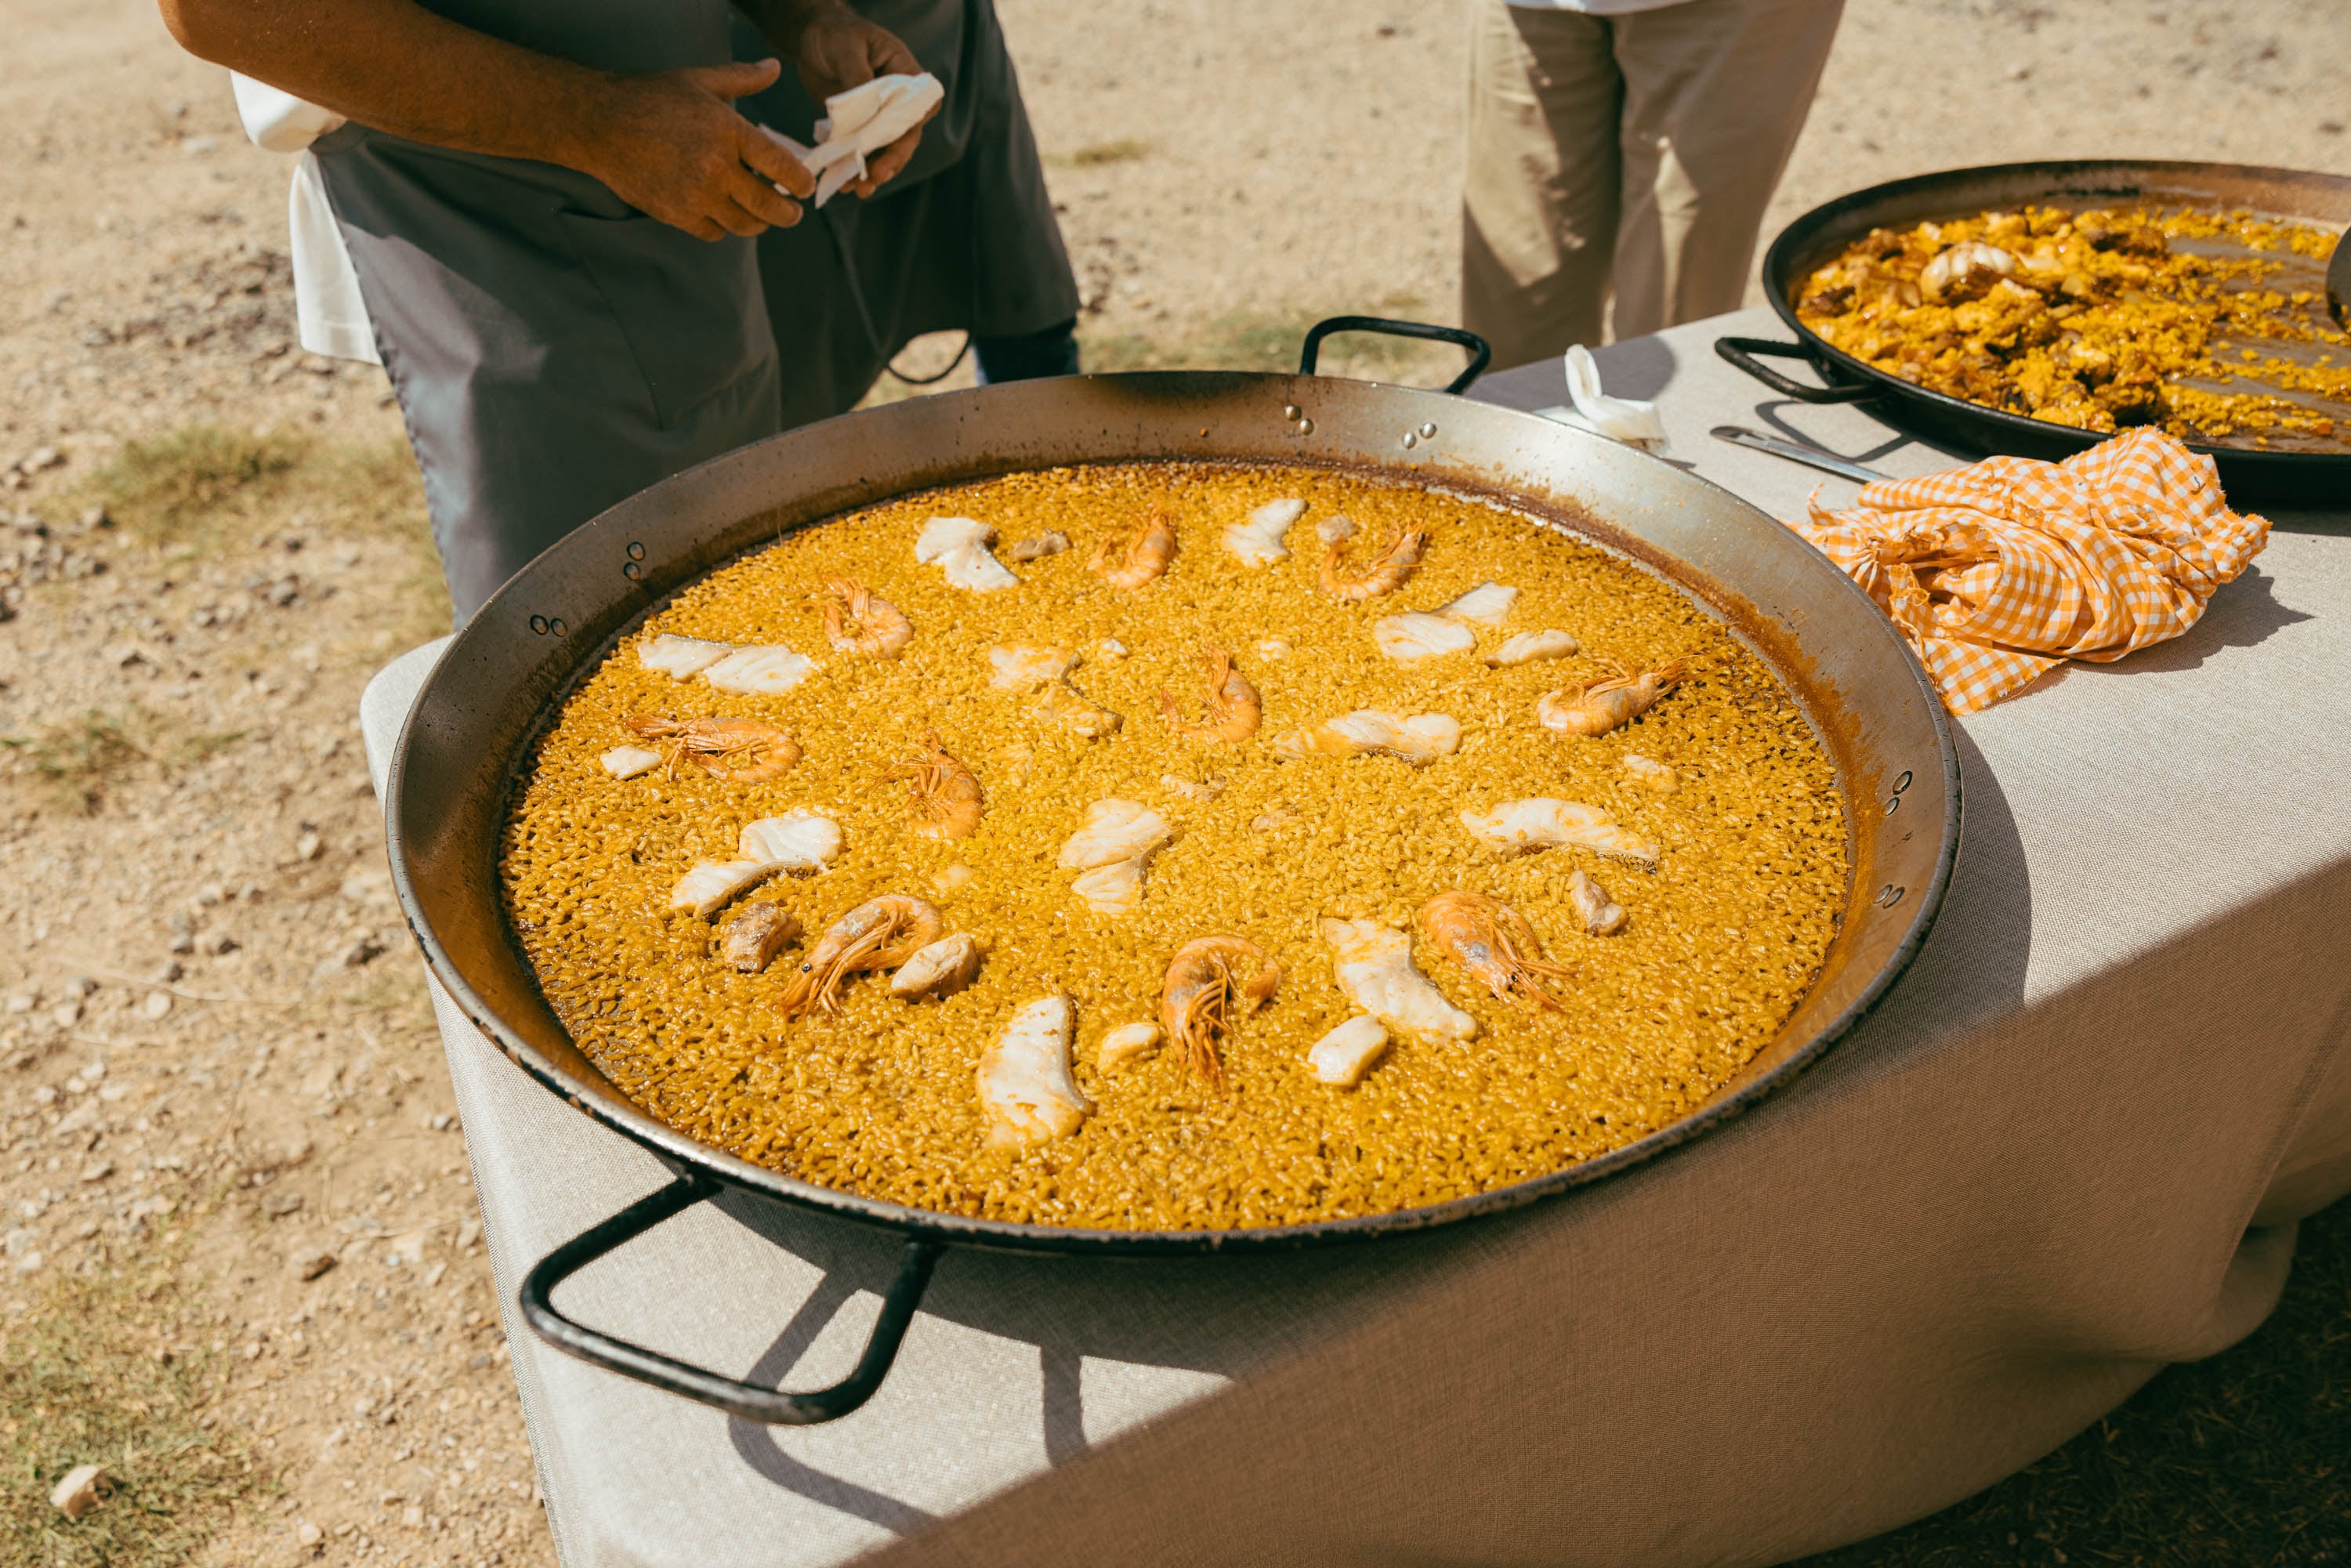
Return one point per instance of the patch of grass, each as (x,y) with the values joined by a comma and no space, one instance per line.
(78,761)
(206,492)
(80,1383)
(2244,1458)
(1270,340)
(1125,149)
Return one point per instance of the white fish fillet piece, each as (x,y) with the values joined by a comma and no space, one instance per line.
(758,671)
(1488,604)
(1020,666)
(628,761)
(1528,647)
(711,885)
(1343,1056)
(683,657)
(1113,889)
(1059,703)
(959,547)
(797,841)
(1602,915)
(941,969)
(1376,970)
(1650,773)
(1115,829)
(1257,539)
(1125,1043)
(1419,740)
(1415,635)
(1541,823)
(1024,1082)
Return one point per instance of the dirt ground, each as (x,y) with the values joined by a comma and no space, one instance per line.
(220,1085)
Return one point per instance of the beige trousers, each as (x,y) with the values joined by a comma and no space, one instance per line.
(1631,154)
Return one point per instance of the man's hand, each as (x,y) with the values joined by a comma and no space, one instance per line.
(837,49)
(669,144)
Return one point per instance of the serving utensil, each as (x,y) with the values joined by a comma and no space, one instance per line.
(1794,452)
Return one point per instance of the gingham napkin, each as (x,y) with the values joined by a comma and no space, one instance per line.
(1998,572)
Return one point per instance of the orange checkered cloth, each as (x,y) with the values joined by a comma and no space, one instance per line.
(1998,572)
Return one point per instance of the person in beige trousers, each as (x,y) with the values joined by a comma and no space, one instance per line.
(1626,147)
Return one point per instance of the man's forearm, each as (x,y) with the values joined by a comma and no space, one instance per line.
(392,64)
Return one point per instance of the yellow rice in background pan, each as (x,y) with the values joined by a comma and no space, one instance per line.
(879,1099)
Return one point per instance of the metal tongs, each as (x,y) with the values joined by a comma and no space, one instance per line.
(1796,451)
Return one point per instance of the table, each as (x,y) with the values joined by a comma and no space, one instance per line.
(2071,1146)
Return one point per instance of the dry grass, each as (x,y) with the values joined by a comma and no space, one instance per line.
(208,493)
(79,762)
(80,1384)
(1125,149)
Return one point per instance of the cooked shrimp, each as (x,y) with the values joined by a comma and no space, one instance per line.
(1234,710)
(1603,704)
(882,630)
(1541,823)
(739,751)
(1374,969)
(1388,569)
(1493,942)
(1419,740)
(755,934)
(879,934)
(946,800)
(1142,555)
(1024,1081)
(1213,982)
(1602,915)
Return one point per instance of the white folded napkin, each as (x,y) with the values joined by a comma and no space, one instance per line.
(1629,420)
(860,122)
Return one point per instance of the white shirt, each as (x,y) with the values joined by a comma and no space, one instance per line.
(331,317)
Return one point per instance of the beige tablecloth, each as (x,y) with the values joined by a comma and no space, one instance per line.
(2069,1147)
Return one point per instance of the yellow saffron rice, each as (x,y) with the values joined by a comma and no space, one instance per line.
(879,1099)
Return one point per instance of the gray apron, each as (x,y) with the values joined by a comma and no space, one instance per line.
(553,351)
(964,239)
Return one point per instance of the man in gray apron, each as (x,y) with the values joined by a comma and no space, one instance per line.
(964,239)
(551,209)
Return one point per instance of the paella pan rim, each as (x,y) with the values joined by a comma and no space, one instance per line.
(1808,237)
(684,1154)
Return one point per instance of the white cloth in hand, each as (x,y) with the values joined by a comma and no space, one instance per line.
(1629,420)
(861,122)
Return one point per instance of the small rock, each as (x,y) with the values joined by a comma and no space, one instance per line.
(365,948)
(185,942)
(77,1493)
(65,1014)
(44,457)
(81,986)
(197,146)
(98,1171)
(28,1263)
(218,943)
(211,893)
(309,847)
(95,517)
(24,1001)
(468,1233)
(307,1535)
(157,1005)
(311,1262)
(169,970)
(278,1205)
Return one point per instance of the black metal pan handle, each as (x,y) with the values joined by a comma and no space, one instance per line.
(1481,353)
(773,1406)
(1741,351)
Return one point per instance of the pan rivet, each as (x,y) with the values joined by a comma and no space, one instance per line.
(1889,895)
(1410,441)
(538,624)
(1426,430)
(1902,783)
(1290,411)
(631,570)
(1891,802)
(1305,427)
(636,550)
(558,628)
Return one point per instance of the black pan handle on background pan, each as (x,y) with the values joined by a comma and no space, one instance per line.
(1481,353)
(772,1406)
(1741,351)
